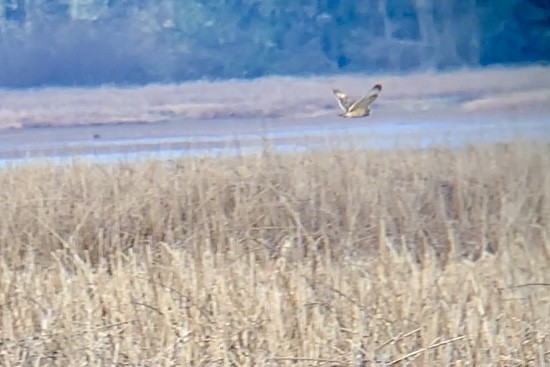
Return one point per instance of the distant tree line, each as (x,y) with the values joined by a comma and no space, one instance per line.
(137,41)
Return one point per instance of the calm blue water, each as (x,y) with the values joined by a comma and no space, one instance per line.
(175,139)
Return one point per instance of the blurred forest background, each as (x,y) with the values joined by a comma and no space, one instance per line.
(91,42)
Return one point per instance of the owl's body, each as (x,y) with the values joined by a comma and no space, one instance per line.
(353,108)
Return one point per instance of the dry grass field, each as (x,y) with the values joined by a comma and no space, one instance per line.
(324,258)
(455,93)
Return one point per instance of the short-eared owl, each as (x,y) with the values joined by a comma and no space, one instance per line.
(360,108)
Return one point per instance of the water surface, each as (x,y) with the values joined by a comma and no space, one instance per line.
(184,137)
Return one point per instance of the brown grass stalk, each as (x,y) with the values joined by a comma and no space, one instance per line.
(343,258)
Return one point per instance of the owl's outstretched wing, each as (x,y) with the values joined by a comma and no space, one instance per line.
(365,102)
(344,100)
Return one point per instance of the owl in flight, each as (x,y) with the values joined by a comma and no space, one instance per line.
(360,108)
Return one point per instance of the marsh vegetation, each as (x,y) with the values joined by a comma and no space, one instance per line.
(325,258)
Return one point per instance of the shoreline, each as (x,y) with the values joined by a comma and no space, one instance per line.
(458,93)
(298,112)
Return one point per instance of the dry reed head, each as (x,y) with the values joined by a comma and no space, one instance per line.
(347,257)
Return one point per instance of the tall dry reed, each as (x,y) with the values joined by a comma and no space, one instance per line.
(325,258)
